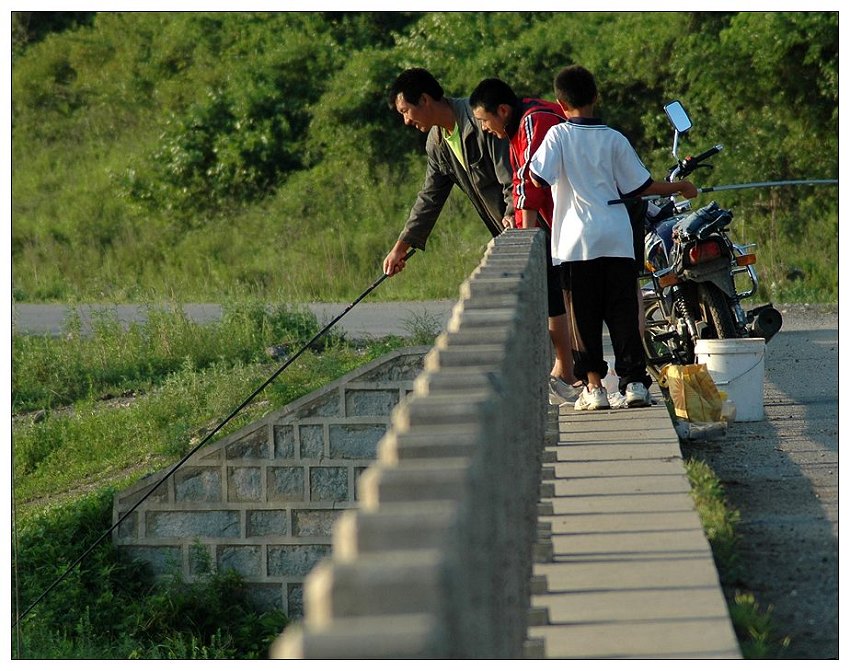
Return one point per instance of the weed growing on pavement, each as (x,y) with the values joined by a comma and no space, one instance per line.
(755,628)
(753,625)
(718,520)
(423,327)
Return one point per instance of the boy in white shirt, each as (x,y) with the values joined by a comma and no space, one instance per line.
(586,164)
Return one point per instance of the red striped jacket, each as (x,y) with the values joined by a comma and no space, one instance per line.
(536,117)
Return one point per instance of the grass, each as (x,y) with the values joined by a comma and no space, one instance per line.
(107,608)
(50,372)
(108,408)
(422,327)
(753,625)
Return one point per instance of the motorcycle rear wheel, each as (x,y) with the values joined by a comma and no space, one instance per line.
(663,346)
(715,311)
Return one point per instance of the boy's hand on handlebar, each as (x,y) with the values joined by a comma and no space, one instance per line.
(684,187)
(687,189)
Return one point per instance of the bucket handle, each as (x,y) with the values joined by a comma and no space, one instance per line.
(739,376)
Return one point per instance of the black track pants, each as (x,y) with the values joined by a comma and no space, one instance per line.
(604,290)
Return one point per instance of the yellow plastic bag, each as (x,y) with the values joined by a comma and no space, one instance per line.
(693,393)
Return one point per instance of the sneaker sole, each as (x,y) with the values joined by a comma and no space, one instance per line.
(594,407)
(639,403)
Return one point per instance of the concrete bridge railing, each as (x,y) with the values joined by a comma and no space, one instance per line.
(436,561)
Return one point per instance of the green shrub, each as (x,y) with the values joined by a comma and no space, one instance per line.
(191,155)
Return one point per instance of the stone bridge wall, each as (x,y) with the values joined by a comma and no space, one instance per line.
(263,500)
(436,561)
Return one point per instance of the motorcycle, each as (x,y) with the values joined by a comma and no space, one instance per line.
(696,276)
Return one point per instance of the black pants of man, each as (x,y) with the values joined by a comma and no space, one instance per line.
(604,290)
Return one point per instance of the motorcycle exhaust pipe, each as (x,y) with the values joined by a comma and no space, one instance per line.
(765,322)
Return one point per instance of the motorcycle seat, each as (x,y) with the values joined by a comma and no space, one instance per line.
(704,221)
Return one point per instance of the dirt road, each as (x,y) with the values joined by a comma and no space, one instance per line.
(782,475)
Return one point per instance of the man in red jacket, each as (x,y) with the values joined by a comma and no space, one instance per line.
(524,123)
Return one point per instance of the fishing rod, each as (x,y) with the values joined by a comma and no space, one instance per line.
(735,187)
(218,428)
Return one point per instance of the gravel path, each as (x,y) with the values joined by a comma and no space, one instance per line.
(782,475)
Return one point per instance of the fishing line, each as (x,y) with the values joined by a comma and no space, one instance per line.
(182,461)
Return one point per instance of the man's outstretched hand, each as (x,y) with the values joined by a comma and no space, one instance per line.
(396,259)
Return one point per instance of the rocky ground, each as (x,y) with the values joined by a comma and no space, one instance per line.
(781,474)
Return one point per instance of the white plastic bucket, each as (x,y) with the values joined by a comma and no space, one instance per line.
(737,367)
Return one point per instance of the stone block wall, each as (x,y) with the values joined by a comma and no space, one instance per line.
(263,500)
(436,561)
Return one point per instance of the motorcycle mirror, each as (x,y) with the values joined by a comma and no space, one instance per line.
(678,117)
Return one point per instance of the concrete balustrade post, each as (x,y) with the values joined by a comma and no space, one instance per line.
(436,562)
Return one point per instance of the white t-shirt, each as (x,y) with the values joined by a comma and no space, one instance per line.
(587,164)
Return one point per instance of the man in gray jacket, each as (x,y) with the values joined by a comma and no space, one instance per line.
(459,153)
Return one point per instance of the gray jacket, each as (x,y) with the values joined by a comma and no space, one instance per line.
(487,184)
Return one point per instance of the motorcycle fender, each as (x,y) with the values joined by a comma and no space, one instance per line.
(717,272)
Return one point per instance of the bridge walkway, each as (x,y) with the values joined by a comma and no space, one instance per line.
(623,568)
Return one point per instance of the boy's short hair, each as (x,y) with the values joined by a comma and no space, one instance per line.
(575,85)
(490,93)
(411,84)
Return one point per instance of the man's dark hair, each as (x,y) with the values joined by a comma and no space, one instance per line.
(576,86)
(490,93)
(412,83)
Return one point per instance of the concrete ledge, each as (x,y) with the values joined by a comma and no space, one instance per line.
(631,573)
(417,636)
(420,480)
(447,519)
(402,582)
(441,442)
(406,526)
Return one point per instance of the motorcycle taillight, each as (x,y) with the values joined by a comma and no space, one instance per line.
(704,251)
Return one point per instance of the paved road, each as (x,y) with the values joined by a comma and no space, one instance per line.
(363,320)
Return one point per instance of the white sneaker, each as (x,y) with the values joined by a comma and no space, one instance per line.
(592,399)
(560,392)
(637,395)
(617,400)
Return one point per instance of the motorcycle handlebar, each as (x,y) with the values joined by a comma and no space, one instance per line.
(687,165)
(691,163)
(708,153)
